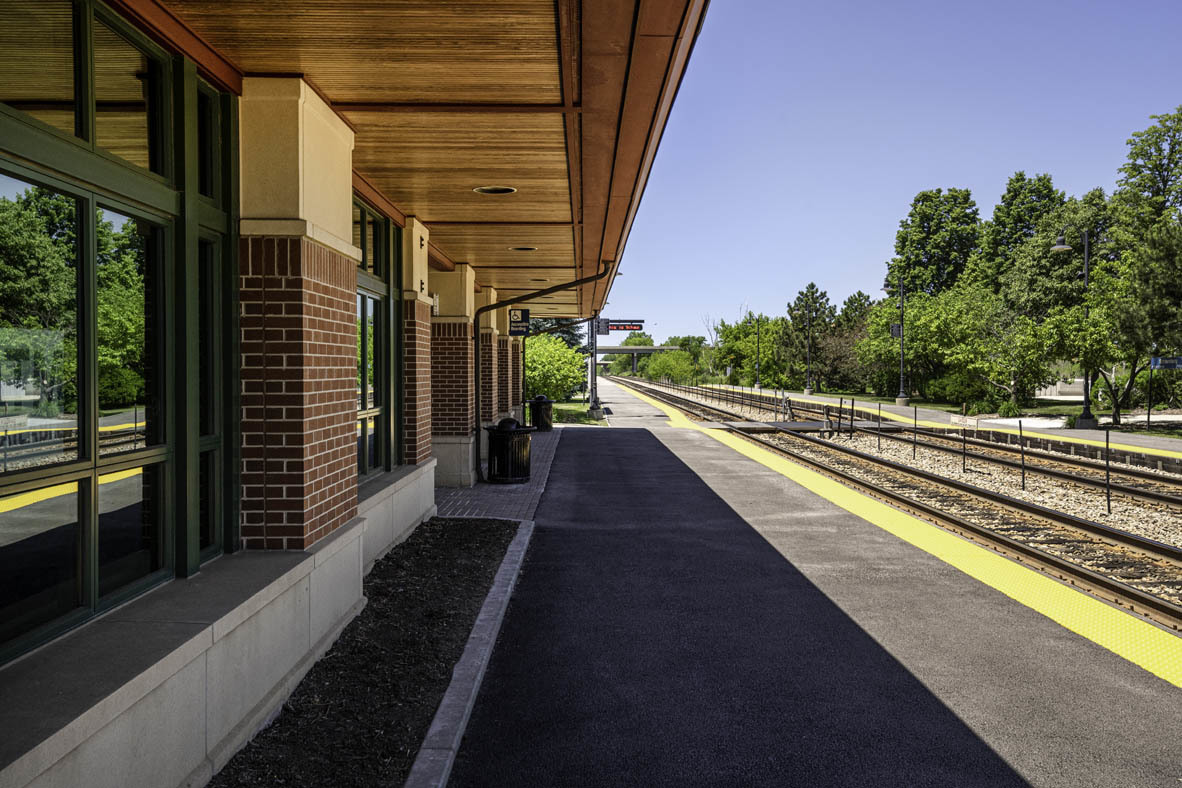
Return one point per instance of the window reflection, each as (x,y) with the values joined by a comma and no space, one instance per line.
(37,60)
(129,533)
(38,326)
(129,373)
(125,90)
(39,548)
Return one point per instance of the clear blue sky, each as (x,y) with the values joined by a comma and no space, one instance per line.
(803,130)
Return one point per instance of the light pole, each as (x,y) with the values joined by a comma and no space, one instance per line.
(808,351)
(901,398)
(1086,420)
(757,322)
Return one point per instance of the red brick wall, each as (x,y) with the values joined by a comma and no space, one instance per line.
(515,377)
(453,409)
(490,402)
(299,391)
(504,370)
(416,382)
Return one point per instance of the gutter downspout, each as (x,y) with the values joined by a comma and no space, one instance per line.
(604,269)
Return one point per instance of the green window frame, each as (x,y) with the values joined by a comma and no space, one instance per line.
(188,479)
(378,350)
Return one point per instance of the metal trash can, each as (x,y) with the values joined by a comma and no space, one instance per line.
(542,413)
(508,452)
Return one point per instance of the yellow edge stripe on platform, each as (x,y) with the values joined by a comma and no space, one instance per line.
(1029,433)
(102,428)
(1122,633)
(45,493)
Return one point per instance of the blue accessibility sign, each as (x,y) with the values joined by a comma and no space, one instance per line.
(518,322)
(1166,362)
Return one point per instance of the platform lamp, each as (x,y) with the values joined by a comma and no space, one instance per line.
(757,322)
(1086,420)
(901,398)
(808,351)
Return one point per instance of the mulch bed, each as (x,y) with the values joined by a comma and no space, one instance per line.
(360,714)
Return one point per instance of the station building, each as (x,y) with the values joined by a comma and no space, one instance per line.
(243,249)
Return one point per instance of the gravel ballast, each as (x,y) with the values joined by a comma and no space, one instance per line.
(360,714)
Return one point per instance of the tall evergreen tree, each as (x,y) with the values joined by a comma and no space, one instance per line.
(1017,216)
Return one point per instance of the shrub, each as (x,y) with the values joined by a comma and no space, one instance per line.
(119,386)
(552,368)
(1009,410)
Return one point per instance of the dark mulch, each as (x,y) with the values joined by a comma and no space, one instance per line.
(358,717)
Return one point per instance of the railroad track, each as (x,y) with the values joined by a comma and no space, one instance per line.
(1138,483)
(1141,574)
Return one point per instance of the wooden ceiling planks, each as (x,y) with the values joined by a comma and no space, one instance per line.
(429,163)
(407,51)
(563,99)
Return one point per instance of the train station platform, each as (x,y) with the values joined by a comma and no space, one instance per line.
(934,417)
(694,612)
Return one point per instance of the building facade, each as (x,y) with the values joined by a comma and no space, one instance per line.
(243,247)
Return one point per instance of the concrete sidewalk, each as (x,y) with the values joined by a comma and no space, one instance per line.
(688,616)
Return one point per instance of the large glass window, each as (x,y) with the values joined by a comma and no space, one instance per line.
(37,60)
(40,551)
(126,92)
(39,257)
(129,327)
(373,234)
(113,469)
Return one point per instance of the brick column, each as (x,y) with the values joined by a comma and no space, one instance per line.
(299,390)
(490,401)
(453,403)
(504,373)
(416,380)
(416,345)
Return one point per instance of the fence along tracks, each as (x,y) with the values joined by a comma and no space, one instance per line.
(1133,571)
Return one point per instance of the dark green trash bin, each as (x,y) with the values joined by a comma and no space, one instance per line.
(508,452)
(543,413)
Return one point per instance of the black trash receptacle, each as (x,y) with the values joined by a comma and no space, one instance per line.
(543,413)
(508,452)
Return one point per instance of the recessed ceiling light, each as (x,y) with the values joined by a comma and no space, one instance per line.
(523,248)
(539,280)
(494,189)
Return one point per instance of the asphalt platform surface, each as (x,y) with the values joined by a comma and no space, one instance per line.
(688,617)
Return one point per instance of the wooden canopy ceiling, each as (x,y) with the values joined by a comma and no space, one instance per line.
(561,99)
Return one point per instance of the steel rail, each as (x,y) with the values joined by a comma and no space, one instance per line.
(1162,610)
(1158,549)
(1140,493)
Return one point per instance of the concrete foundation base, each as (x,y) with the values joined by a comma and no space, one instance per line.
(808,392)
(902,400)
(456,459)
(164,690)
(1087,424)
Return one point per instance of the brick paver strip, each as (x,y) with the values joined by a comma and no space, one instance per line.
(508,501)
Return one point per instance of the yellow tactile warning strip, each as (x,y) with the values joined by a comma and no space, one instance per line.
(1124,634)
(21,500)
(1029,433)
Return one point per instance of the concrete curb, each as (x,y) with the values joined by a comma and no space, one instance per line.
(432,765)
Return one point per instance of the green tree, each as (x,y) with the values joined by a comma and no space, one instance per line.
(1011,353)
(1157,277)
(1016,218)
(622,364)
(1150,186)
(570,332)
(810,318)
(552,367)
(38,273)
(676,366)
(1041,281)
(934,242)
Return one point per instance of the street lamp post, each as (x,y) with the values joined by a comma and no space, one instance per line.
(808,351)
(1086,420)
(901,398)
(757,322)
